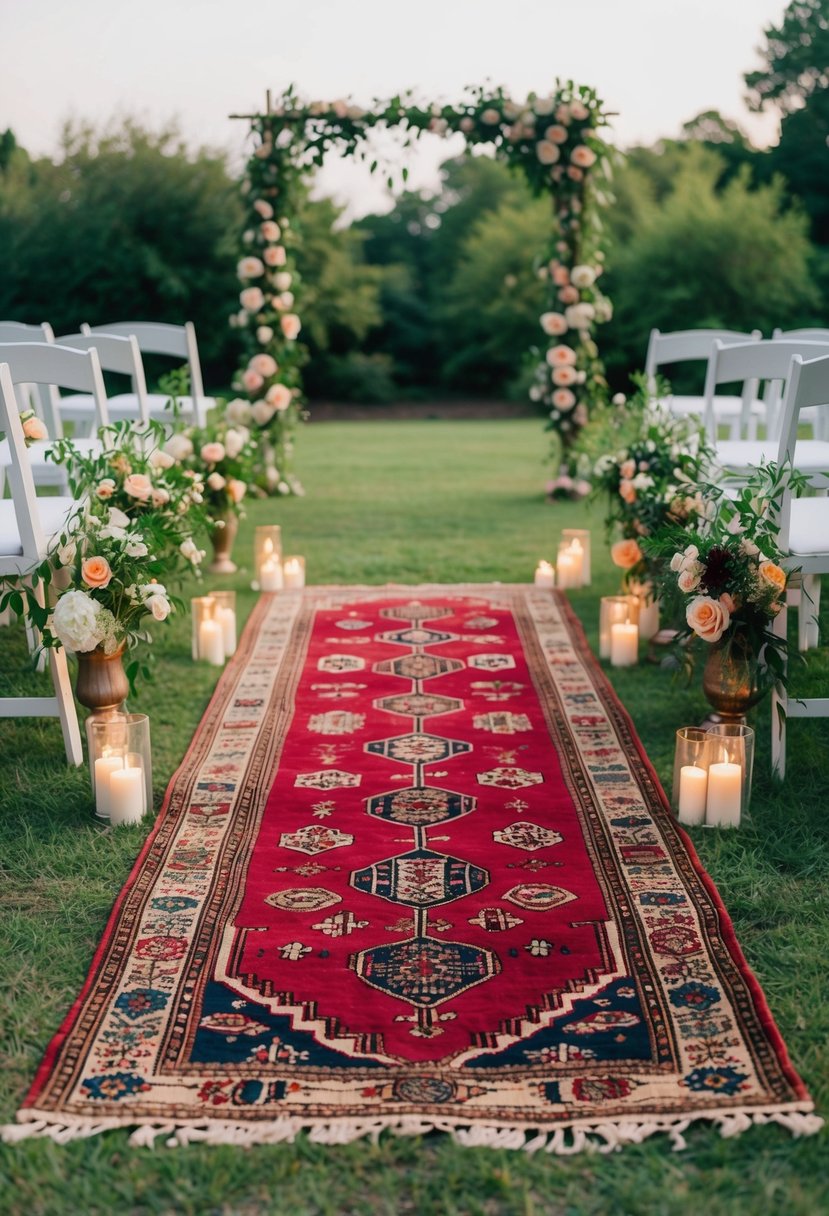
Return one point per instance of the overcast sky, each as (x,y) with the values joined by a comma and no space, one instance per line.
(657,63)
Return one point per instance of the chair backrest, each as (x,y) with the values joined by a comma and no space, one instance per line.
(158,338)
(18,331)
(808,386)
(22,484)
(116,354)
(51,367)
(684,345)
(769,360)
(805,335)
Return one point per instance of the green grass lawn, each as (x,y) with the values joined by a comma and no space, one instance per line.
(405,502)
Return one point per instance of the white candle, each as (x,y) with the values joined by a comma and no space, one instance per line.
(693,788)
(227,619)
(126,795)
(211,646)
(104,768)
(624,645)
(293,573)
(648,618)
(566,569)
(615,614)
(577,554)
(545,575)
(725,786)
(270,575)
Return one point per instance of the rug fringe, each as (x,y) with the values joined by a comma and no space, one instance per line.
(563,1141)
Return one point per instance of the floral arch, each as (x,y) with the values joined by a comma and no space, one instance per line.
(555,140)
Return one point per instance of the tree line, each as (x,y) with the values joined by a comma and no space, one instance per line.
(442,294)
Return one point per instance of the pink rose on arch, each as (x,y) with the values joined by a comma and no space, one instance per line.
(291,325)
(563,114)
(252,380)
(138,486)
(554,324)
(575,175)
(270,230)
(578,110)
(264,364)
(279,396)
(560,274)
(564,375)
(627,468)
(275,255)
(467,123)
(564,399)
(625,553)
(568,294)
(250,268)
(264,209)
(212,453)
(547,152)
(708,618)
(583,156)
(627,490)
(557,134)
(561,356)
(251,299)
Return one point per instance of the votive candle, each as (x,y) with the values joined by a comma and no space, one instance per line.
(126,795)
(624,645)
(545,575)
(725,788)
(693,791)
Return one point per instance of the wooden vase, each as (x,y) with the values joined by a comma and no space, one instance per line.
(222,538)
(102,685)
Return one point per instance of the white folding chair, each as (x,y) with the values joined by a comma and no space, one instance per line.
(803,536)
(19,331)
(48,366)
(817,419)
(116,354)
(154,338)
(27,525)
(738,414)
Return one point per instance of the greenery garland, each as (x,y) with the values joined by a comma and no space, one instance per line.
(554,140)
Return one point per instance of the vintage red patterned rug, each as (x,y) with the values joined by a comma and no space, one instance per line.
(416,872)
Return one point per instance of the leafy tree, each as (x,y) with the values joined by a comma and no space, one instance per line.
(795,57)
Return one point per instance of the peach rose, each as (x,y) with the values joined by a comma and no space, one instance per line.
(275,255)
(578,110)
(547,152)
(212,453)
(627,490)
(279,396)
(252,380)
(34,429)
(270,230)
(625,553)
(564,399)
(627,468)
(554,324)
(236,489)
(561,356)
(575,175)
(264,364)
(264,209)
(728,602)
(689,580)
(161,497)
(560,274)
(291,325)
(250,268)
(251,299)
(557,134)
(563,114)
(96,572)
(583,156)
(138,486)
(216,482)
(105,488)
(262,412)
(569,294)
(774,575)
(708,618)
(564,376)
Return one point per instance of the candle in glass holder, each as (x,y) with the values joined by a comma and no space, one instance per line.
(126,795)
(613,610)
(567,569)
(225,613)
(693,793)
(293,573)
(104,767)
(545,575)
(267,557)
(582,535)
(624,645)
(725,792)
(211,645)
(270,574)
(577,554)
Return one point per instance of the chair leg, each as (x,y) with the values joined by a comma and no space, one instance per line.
(779,703)
(807,622)
(67,711)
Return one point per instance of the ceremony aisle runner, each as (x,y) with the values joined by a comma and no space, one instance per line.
(416,872)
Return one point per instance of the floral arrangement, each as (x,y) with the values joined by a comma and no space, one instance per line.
(726,577)
(555,139)
(651,481)
(216,459)
(134,523)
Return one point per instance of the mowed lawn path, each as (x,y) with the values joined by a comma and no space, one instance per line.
(405,501)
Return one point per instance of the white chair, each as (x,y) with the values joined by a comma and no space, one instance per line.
(154,338)
(48,366)
(818,420)
(694,345)
(27,524)
(803,536)
(116,354)
(19,331)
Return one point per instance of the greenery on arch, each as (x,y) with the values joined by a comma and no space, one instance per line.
(556,141)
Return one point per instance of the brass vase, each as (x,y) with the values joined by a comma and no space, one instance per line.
(730,680)
(102,684)
(222,538)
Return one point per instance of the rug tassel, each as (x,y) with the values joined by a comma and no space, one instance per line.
(11,1133)
(799,1123)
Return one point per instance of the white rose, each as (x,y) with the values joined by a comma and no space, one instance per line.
(159,606)
(159,459)
(264,334)
(283,280)
(234,442)
(179,446)
(135,548)
(75,621)
(216,481)
(582,276)
(190,551)
(238,410)
(579,316)
(262,412)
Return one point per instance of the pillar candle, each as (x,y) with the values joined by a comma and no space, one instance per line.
(270,575)
(227,619)
(624,645)
(545,575)
(566,569)
(693,789)
(577,554)
(104,768)
(211,646)
(293,574)
(126,795)
(725,787)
